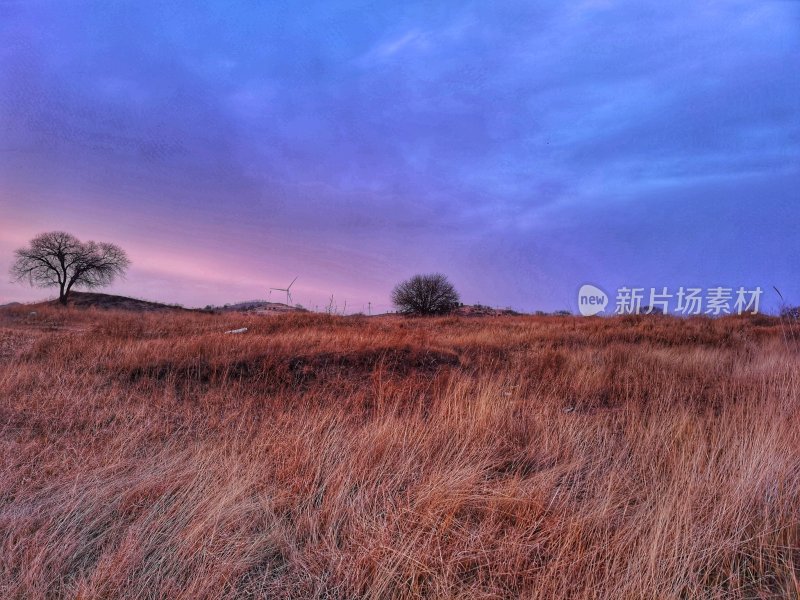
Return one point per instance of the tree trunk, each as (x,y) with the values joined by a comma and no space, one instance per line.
(62,295)
(68,289)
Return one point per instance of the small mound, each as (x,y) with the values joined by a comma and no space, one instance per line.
(110,301)
(479,310)
(279,371)
(259,307)
(401,361)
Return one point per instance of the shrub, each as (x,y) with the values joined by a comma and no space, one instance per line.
(425,295)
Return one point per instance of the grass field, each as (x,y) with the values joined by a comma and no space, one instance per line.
(153,456)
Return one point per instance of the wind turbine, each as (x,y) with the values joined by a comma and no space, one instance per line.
(287,289)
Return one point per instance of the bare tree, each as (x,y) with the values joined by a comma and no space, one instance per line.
(59,259)
(425,295)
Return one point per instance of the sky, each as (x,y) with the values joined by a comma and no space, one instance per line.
(521,148)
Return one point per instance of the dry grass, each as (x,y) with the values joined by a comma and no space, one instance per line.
(152,456)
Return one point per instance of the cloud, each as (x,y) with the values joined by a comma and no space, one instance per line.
(414,39)
(475,139)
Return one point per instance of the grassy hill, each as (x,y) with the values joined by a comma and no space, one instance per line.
(151,455)
(111,301)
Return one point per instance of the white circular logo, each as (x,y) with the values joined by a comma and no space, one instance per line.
(591,300)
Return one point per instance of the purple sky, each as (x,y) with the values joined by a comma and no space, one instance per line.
(521,148)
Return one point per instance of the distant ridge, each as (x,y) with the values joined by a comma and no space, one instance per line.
(114,302)
(479,310)
(258,307)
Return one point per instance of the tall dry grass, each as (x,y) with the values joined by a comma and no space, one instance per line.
(153,456)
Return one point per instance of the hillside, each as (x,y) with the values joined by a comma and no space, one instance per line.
(111,301)
(151,455)
(259,307)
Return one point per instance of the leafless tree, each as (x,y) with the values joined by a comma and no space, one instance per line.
(59,259)
(425,295)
